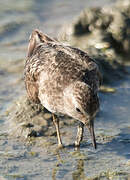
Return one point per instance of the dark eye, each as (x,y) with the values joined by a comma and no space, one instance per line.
(78,110)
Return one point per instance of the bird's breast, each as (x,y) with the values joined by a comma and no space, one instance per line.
(50,93)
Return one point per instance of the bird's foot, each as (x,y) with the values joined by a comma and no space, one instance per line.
(60,146)
(77,145)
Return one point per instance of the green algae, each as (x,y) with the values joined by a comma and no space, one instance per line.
(106,89)
(14,176)
(76,165)
(79,155)
(32,153)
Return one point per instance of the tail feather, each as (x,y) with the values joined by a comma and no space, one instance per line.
(36,38)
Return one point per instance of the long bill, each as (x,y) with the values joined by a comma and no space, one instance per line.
(90,126)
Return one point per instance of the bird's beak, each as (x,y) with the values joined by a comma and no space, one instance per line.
(90,127)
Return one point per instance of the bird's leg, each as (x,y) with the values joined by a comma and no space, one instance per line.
(56,123)
(79,134)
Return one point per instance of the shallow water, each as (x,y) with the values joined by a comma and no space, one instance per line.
(111,159)
(24,160)
(18,19)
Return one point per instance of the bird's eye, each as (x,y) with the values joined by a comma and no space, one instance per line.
(78,110)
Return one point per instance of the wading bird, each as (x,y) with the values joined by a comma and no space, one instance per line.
(65,80)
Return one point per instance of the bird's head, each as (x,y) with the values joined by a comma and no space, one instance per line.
(81,103)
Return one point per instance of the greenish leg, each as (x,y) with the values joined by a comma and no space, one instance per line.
(79,134)
(56,123)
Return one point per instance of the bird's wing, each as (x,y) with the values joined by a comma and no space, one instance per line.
(89,65)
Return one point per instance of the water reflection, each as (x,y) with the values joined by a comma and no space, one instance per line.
(60,155)
(113,126)
(54,171)
(78,174)
(63,157)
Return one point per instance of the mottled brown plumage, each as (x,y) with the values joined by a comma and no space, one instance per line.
(64,80)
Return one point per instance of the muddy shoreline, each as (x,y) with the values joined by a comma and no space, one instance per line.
(27,136)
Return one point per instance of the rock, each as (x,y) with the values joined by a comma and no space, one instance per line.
(27,120)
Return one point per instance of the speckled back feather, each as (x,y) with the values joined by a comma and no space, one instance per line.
(57,66)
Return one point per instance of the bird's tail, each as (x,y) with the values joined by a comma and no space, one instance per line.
(36,38)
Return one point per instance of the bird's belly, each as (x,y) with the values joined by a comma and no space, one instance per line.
(52,101)
(46,102)
(50,94)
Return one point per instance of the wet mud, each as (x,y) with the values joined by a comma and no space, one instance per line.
(28,141)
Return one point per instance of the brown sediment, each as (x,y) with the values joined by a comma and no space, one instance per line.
(27,119)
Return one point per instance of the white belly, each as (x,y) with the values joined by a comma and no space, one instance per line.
(49,96)
(46,102)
